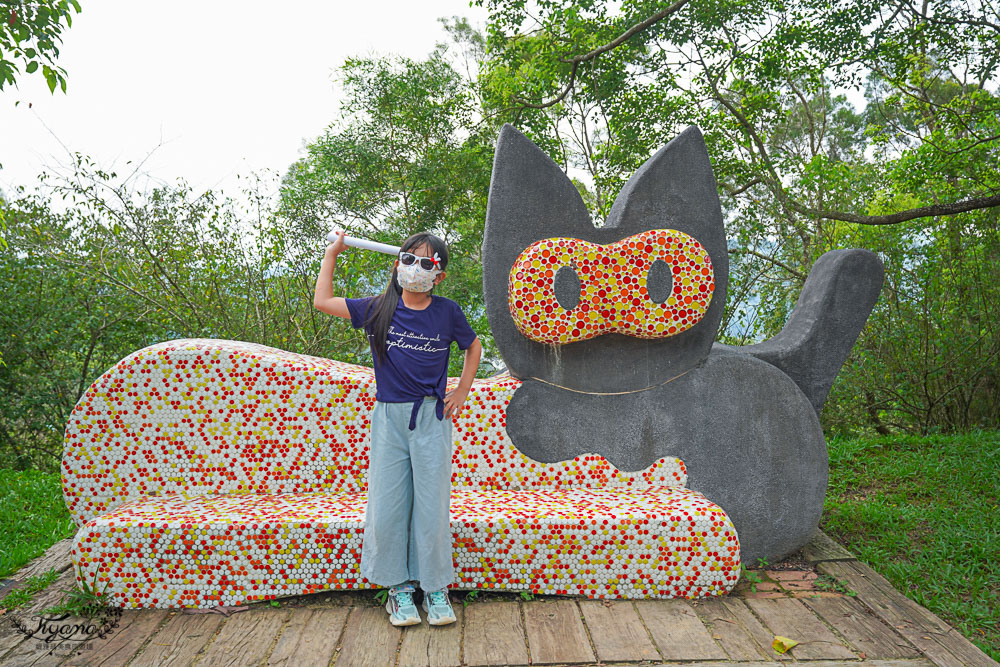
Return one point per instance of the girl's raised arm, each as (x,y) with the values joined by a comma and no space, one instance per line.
(324,299)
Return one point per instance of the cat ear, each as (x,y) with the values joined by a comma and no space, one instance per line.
(676,189)
(530,198)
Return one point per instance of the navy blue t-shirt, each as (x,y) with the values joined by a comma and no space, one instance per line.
(418,344)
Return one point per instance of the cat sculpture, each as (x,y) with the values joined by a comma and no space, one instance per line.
(612,331)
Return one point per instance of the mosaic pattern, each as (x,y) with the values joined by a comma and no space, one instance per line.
(209,471)
(233,549)
(614,295)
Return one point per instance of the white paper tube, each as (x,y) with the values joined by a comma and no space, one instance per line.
(363,243)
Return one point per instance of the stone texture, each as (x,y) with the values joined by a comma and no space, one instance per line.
(749,438)
(744,420)
(832,308)
(531,199)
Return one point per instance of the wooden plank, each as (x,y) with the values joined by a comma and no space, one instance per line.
(556,633)
(179,640)
(134,628)
(8,586)
(726,629)
(951,638)
(370,640)
(494,634)
(932,636)
(245,638)
(821,547)
(761,635)
(10,637)
(55,558)
(812,663)
(54,593)
(790,618)
(677,631)
(617,631)
(310,637)
(916,662)
(51,595)
(863,631)
(36,653)
(433,645)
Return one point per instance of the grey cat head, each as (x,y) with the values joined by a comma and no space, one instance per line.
(531,199)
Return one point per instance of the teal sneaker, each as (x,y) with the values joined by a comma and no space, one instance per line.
(400,605)
(438,608)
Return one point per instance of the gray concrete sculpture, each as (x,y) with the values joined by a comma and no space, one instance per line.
(744,420)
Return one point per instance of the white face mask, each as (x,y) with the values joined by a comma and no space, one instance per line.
(413,278)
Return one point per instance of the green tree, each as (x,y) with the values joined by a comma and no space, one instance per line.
(126,266)
(647,70)
(400,158)
(800,170)
(30,35)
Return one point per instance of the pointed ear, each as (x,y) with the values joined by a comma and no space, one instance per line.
(673,187)
(530,197)
(676,189)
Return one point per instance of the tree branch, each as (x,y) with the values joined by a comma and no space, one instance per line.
(555,100)
(735,192)
(982,23)
(638,27)
(774,184)
(604,48)
(972,204)
(772,260)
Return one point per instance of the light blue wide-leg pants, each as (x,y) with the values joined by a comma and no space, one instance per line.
(407,523)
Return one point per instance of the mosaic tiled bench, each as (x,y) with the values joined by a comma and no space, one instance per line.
(205,472)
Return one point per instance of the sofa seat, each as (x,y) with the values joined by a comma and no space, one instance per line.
(179,550)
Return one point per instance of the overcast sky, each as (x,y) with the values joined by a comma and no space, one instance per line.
(227,87)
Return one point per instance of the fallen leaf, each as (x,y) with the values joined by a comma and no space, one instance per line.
(783,644)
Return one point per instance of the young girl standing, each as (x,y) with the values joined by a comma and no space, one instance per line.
(407,536)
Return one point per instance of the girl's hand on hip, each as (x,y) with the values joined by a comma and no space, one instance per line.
(453,401)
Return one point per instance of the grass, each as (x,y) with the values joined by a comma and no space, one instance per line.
(22,596)
(34,517)
(922,511)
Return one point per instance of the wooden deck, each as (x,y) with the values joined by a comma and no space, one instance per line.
(877,626)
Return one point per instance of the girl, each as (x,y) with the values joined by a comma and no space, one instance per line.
(407,534)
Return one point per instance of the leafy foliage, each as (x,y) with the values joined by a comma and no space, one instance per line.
(30,33)
(399,160)
(814,115)
(773,86)
(125,267)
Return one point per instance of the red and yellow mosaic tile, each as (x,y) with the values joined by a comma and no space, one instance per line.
(205,472)
(614,287)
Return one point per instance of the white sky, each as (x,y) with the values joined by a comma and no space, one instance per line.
(228,87)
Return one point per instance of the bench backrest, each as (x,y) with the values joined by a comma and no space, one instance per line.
(198,416)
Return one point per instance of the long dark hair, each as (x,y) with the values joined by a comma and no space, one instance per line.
(383,307)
